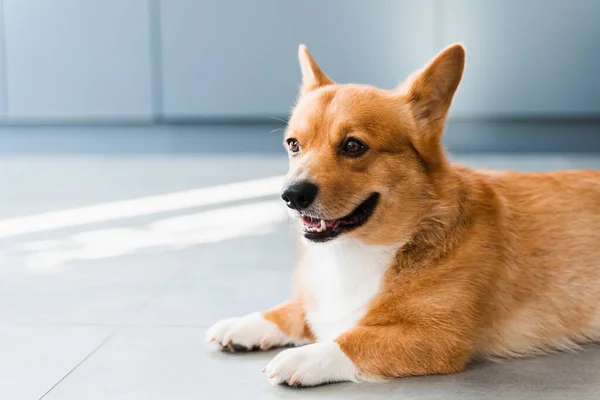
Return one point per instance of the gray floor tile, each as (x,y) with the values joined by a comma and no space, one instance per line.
(107,291)
(176,364)
(34,358)
(231,278)
(550,377)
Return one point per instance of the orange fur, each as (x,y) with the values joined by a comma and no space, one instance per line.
(289,317)
(494,264)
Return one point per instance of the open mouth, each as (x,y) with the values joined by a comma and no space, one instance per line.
(321,230)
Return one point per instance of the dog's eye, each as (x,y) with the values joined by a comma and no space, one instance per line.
(353,147)
(293,145)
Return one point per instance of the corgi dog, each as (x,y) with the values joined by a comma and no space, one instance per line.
(410,265)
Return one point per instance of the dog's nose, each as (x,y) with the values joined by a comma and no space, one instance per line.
(299,195)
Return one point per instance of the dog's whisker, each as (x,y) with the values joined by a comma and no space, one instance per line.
(279,119)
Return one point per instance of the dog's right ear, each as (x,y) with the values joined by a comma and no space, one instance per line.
(312,76)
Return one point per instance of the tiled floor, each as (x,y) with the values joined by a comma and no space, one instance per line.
(117,308)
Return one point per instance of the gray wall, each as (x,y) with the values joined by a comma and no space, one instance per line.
(149,60)
(526,57)
(231,57)
(75,59)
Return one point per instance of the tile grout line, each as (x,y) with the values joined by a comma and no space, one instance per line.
(118,329)
(110,336)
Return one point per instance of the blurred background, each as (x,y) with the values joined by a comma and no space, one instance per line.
(210,75)
(141,164)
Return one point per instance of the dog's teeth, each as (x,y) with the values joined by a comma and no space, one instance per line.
(322,227)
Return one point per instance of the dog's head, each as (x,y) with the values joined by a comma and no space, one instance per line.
(366,162)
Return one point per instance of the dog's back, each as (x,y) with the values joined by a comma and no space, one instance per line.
(549,286)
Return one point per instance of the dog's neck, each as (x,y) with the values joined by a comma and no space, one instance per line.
(442,228)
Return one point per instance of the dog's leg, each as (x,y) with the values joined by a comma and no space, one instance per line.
(371,353)
(281,326)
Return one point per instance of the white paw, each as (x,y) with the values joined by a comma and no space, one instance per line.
(311,365)
(251,332)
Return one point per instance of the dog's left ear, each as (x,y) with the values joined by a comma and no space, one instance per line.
(430,91)
(312,76)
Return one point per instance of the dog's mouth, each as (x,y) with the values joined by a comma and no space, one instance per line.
(321,230)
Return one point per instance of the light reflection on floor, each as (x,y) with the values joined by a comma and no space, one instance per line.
(163,234)
(143,206)
(173,233)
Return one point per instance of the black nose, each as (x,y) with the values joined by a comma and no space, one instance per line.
(299,195)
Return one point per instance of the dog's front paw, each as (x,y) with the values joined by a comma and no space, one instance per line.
(252,332)
(311,365)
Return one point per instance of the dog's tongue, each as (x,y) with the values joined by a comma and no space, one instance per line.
(311,222)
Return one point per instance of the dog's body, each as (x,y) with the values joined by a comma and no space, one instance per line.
(433,264)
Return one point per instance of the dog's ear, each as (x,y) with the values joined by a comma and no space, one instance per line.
(430,91)
(312,76)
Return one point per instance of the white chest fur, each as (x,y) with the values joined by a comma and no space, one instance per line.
(339,279)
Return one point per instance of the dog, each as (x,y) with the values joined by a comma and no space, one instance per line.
(410,265)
